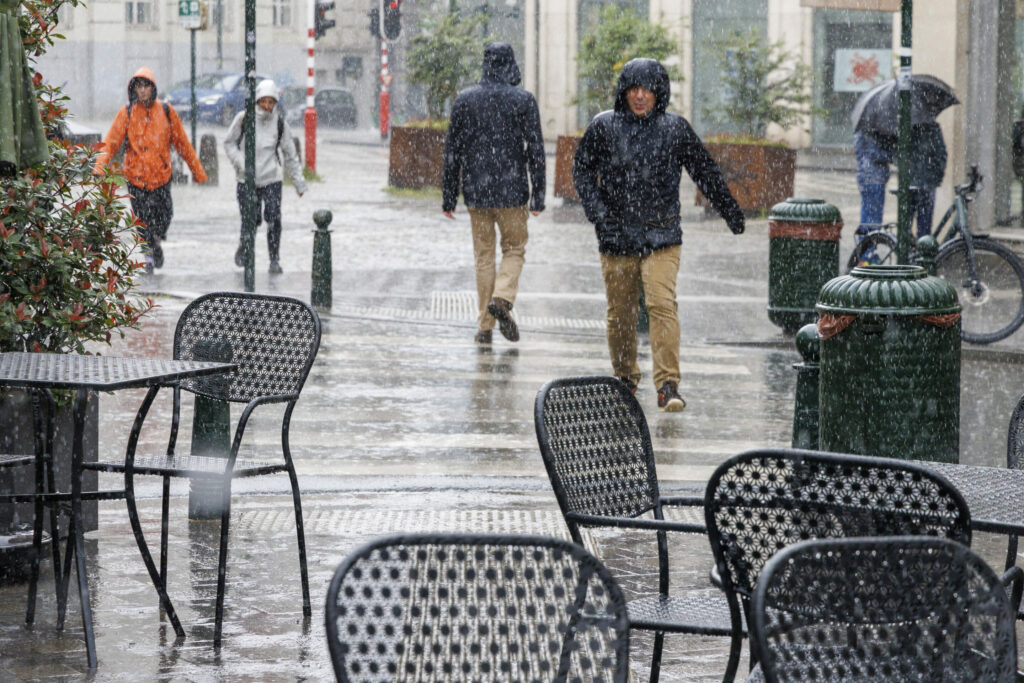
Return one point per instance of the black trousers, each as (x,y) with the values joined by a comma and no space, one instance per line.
(154,208)
(268,203)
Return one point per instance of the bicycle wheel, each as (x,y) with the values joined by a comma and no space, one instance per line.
(874,248)
(993,307)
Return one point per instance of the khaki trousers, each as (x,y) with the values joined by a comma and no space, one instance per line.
(623,278)
(503,282)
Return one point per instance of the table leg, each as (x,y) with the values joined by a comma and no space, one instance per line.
(76,526)
(37,515)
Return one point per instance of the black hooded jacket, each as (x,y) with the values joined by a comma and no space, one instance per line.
(627,169)
(493,137)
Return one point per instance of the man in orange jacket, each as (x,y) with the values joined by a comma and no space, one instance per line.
(147,128)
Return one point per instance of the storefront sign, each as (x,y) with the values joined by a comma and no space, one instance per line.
(873,5)
(859,70)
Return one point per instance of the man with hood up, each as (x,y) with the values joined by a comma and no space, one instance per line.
(273,146)
(627,170)
(494,139)
(147,128)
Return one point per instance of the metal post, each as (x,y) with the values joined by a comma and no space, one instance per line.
(310,115)
(320,295)
(643,318)
(903,151)
(249,212)
(385,83)
(805,408)
(220,34)
(193,87)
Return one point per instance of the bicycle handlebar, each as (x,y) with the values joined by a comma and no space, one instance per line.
(973,186)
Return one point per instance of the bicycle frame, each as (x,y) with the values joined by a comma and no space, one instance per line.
(958,227)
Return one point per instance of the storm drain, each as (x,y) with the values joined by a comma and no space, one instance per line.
(461,306)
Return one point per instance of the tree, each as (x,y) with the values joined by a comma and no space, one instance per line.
(763,83)
(68,243)
(445,57)
(619,35)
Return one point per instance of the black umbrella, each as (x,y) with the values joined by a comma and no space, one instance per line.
(876,110)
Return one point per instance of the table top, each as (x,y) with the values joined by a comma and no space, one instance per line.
(995,495)
(101,373)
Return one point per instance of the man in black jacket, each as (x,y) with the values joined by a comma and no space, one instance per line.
(494,136)
(627,170)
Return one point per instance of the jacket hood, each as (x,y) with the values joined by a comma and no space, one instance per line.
(647,73)
(500,65)
(143,73)
(267,88)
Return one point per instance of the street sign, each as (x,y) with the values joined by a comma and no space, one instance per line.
(189,14)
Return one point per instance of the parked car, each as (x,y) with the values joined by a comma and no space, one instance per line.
(219,96)
(334,106)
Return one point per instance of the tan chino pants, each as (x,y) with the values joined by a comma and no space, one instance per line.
(623,278)
(501,282)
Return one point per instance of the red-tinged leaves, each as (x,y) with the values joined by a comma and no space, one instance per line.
(21,313)
(4,297)
(39,286)
(37,348)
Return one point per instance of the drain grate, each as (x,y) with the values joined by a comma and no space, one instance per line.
(453,305)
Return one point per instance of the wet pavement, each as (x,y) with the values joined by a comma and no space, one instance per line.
(406,425)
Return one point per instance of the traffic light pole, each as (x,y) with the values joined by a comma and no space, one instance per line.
(310,115)
(903,217)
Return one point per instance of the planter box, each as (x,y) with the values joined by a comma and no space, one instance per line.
(417,157)
(759,176)
(565,150)
(16,436)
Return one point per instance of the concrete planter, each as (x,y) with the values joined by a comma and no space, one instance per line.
(416,157)
(16,437)
(759,176)
(565,150)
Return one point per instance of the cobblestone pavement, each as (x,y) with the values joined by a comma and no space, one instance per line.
(406,425)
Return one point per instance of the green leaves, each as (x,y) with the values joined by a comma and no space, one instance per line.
(444,57)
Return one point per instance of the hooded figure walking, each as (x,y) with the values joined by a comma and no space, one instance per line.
(273,143)
(493,140)
(147,128)
(627,170)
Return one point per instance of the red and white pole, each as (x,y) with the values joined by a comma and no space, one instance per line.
(385,81)
(310,116)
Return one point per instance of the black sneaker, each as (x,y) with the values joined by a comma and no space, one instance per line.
(158,256)
(502,312)
(669,399)
(483,336)
(275,268)
(240,256)
(629,384)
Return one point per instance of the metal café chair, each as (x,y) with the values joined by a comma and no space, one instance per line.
(894,608)
(596,447)
(1015,461)
(273,341)
(461,607)
(761,501)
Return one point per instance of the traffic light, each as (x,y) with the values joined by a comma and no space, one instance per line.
(374,15)
(392,18)
(320,21)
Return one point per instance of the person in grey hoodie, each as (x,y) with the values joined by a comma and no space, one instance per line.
(274,149)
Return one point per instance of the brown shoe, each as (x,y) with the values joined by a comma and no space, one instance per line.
(669,399)
(502,312)
(483,337)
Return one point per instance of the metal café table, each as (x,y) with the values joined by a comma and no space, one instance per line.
(995,495)
(48,371)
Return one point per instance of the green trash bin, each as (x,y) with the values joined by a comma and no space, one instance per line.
(803,254)
(890,364)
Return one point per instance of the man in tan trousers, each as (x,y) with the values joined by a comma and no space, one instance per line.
(494,139)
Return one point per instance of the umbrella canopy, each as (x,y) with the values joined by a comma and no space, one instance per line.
(876,110)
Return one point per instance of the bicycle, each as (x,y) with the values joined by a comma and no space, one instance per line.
(988,277)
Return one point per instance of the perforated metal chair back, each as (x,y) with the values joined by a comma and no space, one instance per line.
(883,609)
(596,447)
(454,607)
(758,502)
(272,339)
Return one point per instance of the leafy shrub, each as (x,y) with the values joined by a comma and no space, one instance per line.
(444,57)
(67,239)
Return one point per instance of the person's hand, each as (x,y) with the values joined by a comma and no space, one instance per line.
(450,214)
(537,213)
(301,193)
(737,225)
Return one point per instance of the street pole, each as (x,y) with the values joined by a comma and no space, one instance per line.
(193,76)
(310,115)
(903,239)
(249,213)
(385,80)
(220,34)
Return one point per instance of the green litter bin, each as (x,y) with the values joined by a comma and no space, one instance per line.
(803,254)
(890,364)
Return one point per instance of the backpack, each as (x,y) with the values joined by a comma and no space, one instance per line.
(124,142)
(280,134)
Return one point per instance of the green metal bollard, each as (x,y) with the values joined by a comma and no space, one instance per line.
(320,296)
(643,317)
(890,364)
(211,429)
(805,408)
(803,254)
(927,250)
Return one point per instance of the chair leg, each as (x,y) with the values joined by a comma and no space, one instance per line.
(735,650)
(147,557)
(222,565)
(307,609)
(659,644)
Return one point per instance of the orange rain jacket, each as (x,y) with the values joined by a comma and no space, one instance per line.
(147,156)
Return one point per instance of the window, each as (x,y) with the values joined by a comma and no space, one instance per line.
(282,12)
(138,13)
